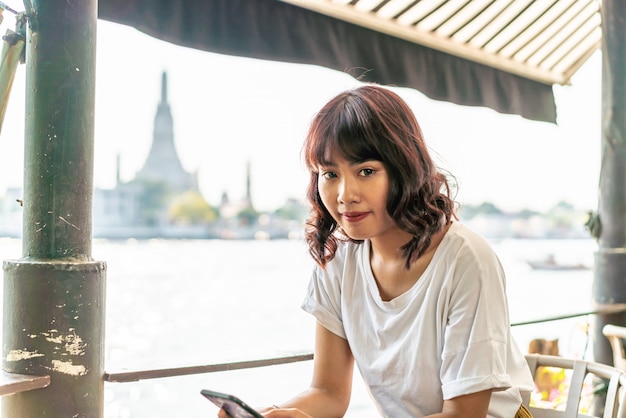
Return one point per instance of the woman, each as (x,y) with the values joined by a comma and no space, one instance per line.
(402,288)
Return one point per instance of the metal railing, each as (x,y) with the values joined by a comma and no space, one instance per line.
(134,376)
(13,383)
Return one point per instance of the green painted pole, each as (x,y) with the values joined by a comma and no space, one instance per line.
(609,284)
(54,295)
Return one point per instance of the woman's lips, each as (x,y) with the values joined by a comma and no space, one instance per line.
(354,216)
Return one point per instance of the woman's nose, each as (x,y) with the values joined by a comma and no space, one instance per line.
(348,191)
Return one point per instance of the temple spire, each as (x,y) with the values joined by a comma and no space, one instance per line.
(164,87)
(163,164)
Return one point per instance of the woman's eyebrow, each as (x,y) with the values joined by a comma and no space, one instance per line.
(326,163)
(363,161)
(326,166)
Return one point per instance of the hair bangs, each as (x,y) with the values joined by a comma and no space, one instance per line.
(346,129)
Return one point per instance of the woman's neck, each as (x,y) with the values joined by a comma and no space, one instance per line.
(388,264)
(388,247)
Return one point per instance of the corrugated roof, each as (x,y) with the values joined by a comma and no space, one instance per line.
(543,40)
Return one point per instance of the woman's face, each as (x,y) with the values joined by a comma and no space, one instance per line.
(355,194)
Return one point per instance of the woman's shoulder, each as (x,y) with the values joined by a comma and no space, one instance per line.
(461,239)
(349,251)
(459,232)
(347,260)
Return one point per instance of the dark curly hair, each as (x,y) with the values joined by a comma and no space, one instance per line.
(373,123)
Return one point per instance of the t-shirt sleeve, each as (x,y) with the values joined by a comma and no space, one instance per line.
(323,300)
(476,336)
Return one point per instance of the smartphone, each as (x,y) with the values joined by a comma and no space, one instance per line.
(235,407)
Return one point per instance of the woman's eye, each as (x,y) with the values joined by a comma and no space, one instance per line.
(367,172)
(329,175)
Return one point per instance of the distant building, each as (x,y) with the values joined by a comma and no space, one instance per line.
(128,208)
(140,208)
(163,165)
(230,209)
(11,213)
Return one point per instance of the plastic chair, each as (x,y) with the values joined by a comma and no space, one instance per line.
(616,335)
(579,370)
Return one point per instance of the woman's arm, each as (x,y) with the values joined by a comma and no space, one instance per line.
(331,386)
(474,405)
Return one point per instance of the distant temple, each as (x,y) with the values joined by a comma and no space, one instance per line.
(230,209)
(163,165)
(149,205)
(127,209)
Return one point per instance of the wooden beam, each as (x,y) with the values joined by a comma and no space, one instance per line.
(11,383)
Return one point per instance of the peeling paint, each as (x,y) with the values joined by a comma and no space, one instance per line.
(56,340)
(17,355)
(73,343)
(67,367)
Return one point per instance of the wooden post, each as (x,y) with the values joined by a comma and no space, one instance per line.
(54,295)
(609,284)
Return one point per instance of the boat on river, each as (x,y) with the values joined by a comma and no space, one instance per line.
(551,263)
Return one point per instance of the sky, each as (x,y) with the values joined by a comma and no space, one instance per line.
(230,110)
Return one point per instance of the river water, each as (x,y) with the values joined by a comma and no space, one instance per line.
(173,303)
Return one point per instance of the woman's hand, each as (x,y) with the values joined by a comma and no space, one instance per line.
(273,412)
(285,413)
(329,393)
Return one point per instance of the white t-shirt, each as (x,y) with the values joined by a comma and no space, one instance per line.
(447,336)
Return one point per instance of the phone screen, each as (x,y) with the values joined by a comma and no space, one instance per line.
(235,407)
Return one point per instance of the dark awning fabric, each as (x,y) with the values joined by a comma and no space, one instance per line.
(274,30)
